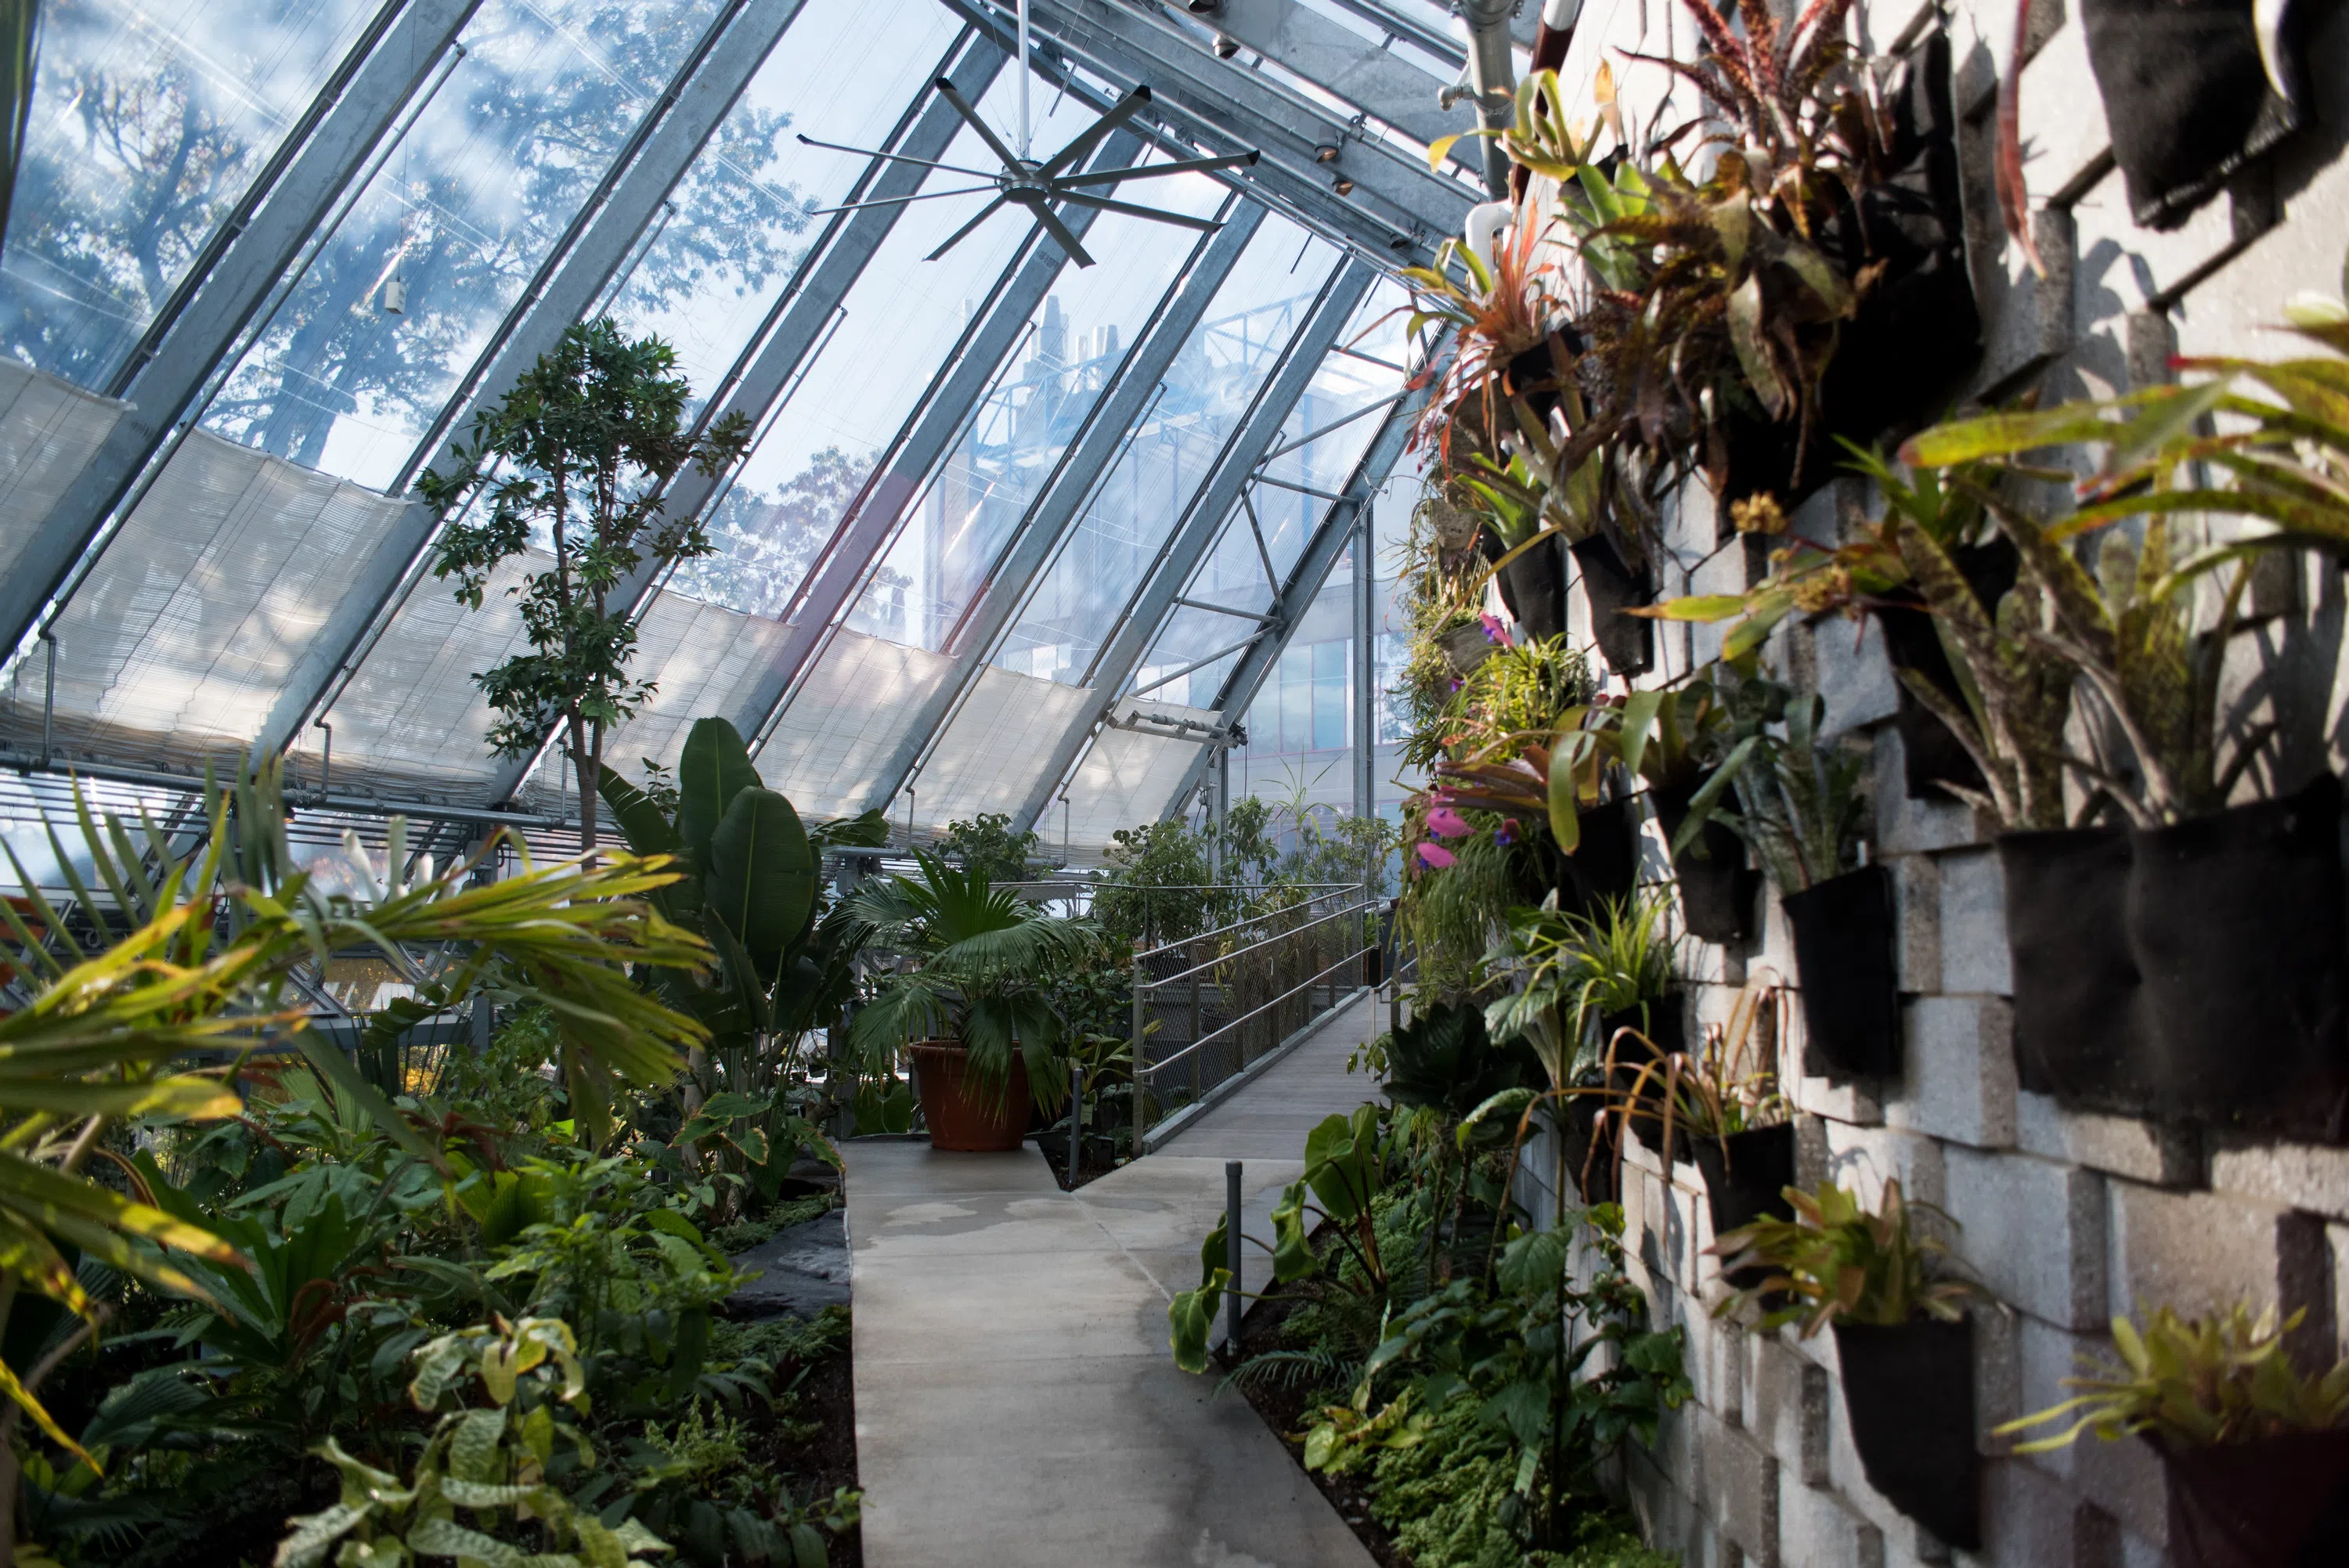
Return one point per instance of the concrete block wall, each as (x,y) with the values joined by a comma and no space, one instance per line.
(2066,1217)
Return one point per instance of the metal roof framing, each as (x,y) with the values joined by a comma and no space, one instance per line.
(162,391)
(1202,524)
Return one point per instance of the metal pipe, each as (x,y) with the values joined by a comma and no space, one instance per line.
(1076,1119)
(49,695)
(1492,73)
(1141,1116)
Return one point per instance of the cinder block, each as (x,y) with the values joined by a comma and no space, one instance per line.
(1904,826)
(1787,1397)
(1917,905)
(1861,1158)
(1819,1529)
(2124,1146)
(2030,1521)
(1722,571)
(2296,1175)
(2033,1231)
(1958,1074)
(2196,1252)
(2124,1479)
(1973,924)
(1853,1101)
(1735,1485)
(1854,676)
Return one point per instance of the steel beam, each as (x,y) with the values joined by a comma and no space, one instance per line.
(1210,509)
(1338,524)
(924,441)
(672,134)
(1347,65)
(162,391)
(1366,664)
(1398,209)
(1057,509)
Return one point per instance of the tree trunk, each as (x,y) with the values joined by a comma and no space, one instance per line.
(579,766)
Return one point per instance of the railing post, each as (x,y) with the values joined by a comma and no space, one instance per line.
(1076,1117)
(1232,1258)
(1141,1057)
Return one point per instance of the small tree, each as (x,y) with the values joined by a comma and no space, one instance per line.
(573,465)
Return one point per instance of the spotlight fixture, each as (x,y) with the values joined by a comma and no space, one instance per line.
(1325,153)
(1342,186)
(1225,48)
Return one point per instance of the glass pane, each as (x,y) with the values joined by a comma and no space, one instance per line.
(1208,392)
(896,328)
(149,122)
(951,541)
(739,222)
(462,212)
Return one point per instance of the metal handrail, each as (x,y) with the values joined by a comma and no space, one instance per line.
(1307,984)
(1140,953)
(1242,952)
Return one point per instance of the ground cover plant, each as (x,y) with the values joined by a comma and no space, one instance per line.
(265,1303)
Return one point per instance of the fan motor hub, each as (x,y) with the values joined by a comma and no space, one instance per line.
(1020,183)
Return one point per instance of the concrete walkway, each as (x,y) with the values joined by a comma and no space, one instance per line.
(1016,1401)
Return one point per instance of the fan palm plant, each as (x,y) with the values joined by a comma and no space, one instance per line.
(979,967)
(131,999)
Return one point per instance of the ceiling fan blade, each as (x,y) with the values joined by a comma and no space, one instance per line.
(1153,170)
(1204,225)
(953,95)
(900,158)
(956,237)
(897,201)
(1086,140)
(1067,236)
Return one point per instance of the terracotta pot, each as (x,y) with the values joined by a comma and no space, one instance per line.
(966,1113)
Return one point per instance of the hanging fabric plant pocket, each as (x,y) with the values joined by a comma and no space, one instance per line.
(1626,642)
(2235,922)
(1930,754)
(2076,984)
(1605,864)
(1717,887)
(2189,96)
(1844,930)
(1746,1176)
(1664,1024)
(2279,1503)
(1590,1142)
(1909,1391)
(1533,588)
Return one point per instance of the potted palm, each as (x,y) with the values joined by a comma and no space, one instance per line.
(1905,1345)
(972,1002)
(2255,1450)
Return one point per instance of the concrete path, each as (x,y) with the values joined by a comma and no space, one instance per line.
(1016,1402)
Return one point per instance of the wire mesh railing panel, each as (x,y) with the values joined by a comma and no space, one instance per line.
(1208,1006)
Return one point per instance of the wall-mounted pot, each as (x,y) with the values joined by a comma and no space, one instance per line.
(1908,1390)
(2279,1502)
(1845,930)
(1746,1176)
(1533,586)
(1627,643)
(1605,864)
(1716,886)
(1664,1022)
(1930,754)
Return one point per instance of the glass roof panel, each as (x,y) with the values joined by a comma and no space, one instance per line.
(1208,392)
(895,329)
(723,250)
(149,122)
(463,210)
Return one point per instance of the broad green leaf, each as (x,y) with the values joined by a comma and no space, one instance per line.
(761,878)
(647,832)
(714,768)
(1191,1316)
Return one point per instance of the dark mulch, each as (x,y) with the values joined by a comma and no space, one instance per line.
(826,1392)
(1095,1158)
(1284,1408)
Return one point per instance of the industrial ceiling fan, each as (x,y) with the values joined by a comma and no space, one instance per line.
(1023,182)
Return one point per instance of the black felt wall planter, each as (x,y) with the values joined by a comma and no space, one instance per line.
(1745,1178)
(1626,642)
(1930,756)
(1717,887)
(1533,586)
(2186,97)
(2281,1502)
(2235,923)
(1844,929)
(2191,973)
(1605,864)
(1665,1025)
(1909,1392)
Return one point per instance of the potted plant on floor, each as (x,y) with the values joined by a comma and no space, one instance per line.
(1905,1346)
(2256,1452)
(972,1003)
